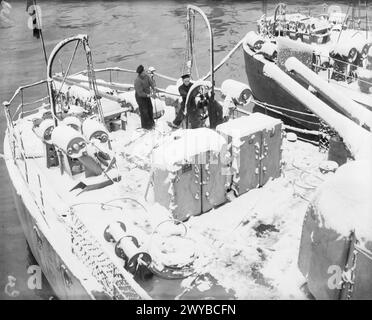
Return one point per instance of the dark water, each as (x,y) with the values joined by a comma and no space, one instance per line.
(123,34)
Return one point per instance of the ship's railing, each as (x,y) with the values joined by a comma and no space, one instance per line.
(111,70)
(21,109)
(347,67)
(115,281)
(14,113)
(15,109)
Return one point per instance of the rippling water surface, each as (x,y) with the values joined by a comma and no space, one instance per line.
(123,34)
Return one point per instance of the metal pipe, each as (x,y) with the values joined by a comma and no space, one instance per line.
(191,8)
(341,101)
(25,87)
(84,39)
(110,85)
(358,140)
(78,83)
(223,61)
(52,56)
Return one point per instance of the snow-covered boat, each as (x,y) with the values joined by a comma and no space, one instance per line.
(336,45)
(114,211)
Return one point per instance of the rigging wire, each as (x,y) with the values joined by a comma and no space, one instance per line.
(68,67)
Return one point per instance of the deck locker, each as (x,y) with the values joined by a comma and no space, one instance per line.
(178,190)
(254,143)
(188,173)
(213,181)
(271,152)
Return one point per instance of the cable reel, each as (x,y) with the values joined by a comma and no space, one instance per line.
(93,129)
(73,122)
(127,248)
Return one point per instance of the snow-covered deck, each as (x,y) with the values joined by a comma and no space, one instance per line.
(249,246)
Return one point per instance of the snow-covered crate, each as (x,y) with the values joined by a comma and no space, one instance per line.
(188,172)
(254,143)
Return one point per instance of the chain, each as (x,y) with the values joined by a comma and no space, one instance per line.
(89,251)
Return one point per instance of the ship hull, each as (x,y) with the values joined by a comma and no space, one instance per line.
(47,258)
(266,90)
(57,270)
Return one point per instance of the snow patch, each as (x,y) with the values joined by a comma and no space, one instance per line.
(345,202)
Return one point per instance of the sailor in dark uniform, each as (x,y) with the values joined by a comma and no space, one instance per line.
(183,90)
(142,86)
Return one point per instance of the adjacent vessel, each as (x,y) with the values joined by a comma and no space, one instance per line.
(335,45)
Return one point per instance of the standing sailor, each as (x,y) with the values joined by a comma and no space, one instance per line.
(142,86)
(183,90)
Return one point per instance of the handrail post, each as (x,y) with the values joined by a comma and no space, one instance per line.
(6,105)
(21,103)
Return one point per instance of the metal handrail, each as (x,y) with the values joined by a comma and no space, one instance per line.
(341,61)
(110,69)
(343,74)
(24,87)
(319,67)
(45,81)
(19,92)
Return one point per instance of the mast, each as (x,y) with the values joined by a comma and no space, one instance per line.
(38,26)
(367,26)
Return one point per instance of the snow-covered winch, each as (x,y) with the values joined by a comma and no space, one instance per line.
(127,247)
(44,132)
(73,152)
(269,50)
(44,129)
(73,122)
(70,141)
(93,129)
(236,90)
(254,40)
(129,250)
(115,231)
